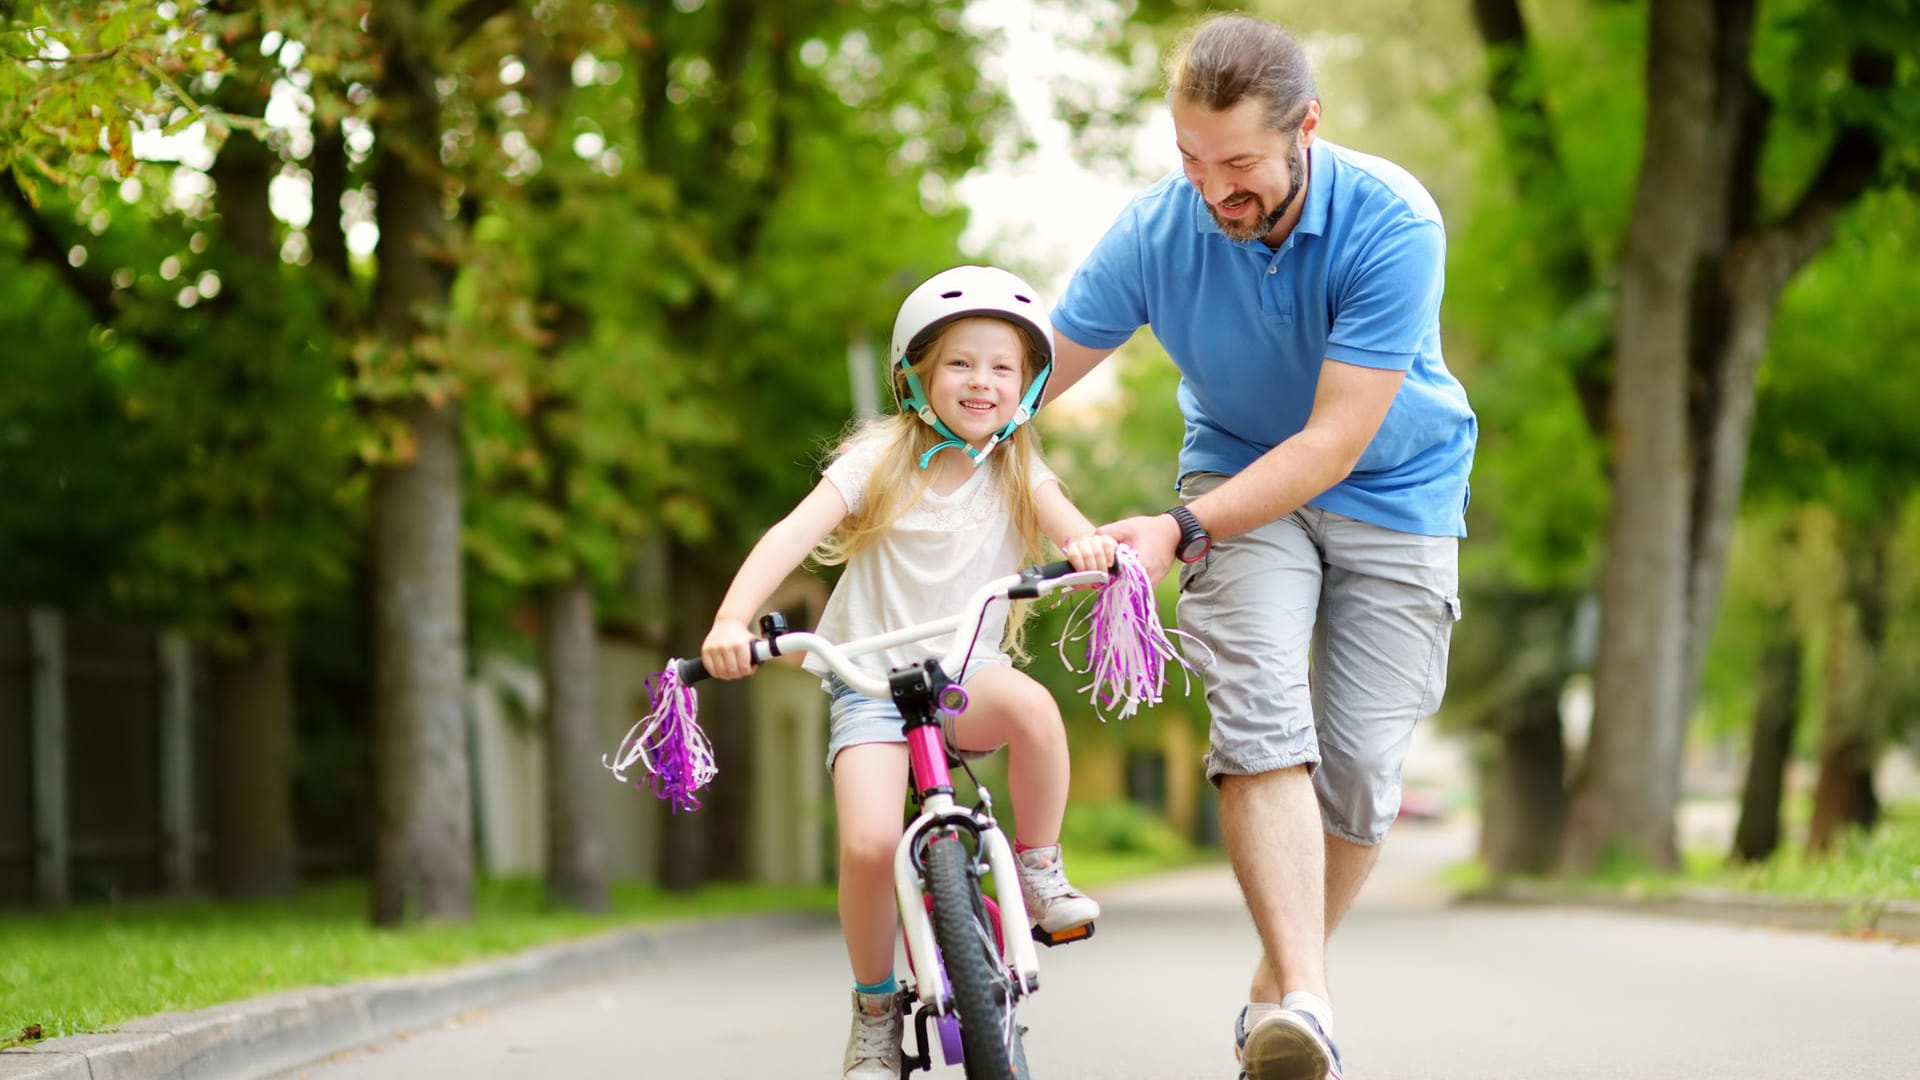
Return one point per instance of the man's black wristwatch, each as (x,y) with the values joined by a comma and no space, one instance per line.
(1194,541)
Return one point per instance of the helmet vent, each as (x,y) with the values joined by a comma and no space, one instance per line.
(951,295)
(1023,299)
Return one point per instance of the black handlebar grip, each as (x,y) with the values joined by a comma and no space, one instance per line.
(692,671)
(1049,571)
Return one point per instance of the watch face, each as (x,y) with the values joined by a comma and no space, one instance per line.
(1192,550)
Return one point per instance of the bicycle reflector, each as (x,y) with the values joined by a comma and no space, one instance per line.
(953,700)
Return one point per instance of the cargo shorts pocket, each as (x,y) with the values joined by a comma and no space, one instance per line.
(1436,680)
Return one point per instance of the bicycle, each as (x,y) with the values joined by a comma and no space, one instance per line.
(970,950)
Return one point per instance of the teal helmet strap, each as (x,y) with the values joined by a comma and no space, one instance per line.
(916,402)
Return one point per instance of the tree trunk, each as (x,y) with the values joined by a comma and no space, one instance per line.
(576,853)
(423,849)
(1843,797)
(1776,713)
(254,854)
(1525,802)
(1628,790)
(715,842)
(1721,465)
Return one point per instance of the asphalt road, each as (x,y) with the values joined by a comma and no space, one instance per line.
(1423,992)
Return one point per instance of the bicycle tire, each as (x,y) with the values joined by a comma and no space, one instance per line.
(982,987)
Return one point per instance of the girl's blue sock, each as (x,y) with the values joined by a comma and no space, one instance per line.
(885,986)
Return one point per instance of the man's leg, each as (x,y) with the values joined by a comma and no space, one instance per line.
(1252,603)
(1271,824)
(1347,867)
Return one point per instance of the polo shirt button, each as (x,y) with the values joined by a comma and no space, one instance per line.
(1273,269)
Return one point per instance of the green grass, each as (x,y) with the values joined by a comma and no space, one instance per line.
(96,966)
(1870,868)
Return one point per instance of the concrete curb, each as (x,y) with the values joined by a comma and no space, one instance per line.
(265,1036)
(1898,919)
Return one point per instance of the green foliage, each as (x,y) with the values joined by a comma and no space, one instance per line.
(654,317)
(1119,827)
(1833,422)
(76,483)
(1808,55)
(79,78)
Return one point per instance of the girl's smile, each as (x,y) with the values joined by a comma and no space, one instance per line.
(976,382)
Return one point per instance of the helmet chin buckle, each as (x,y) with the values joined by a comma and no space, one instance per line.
(979,457)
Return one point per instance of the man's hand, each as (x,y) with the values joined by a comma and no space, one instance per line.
(1154,536)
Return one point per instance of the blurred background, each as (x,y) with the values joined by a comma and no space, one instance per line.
(386,390)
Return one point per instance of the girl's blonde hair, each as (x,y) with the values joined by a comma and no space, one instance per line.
(898,483)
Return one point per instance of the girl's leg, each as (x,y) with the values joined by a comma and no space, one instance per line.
(1007,707)
(869,792)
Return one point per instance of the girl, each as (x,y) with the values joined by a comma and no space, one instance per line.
(923,507)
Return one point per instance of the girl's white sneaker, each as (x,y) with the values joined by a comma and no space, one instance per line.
(873,1046)
(1053,904)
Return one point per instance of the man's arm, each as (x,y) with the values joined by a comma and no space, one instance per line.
(1071,362)
(1349,405)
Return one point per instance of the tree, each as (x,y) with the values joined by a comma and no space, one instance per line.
(1834,434)
(423,851)
(1725,212)
(567,439)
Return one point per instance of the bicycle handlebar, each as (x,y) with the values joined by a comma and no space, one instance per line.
(1026,584)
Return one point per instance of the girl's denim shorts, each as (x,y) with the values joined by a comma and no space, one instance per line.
(854,718)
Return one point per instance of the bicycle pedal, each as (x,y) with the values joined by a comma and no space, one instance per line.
(1063,937)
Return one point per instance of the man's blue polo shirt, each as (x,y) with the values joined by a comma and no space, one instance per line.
(1357,281)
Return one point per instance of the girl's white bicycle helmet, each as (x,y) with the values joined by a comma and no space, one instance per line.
(959,293)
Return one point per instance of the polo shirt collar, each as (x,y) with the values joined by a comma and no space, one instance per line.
(1318,195)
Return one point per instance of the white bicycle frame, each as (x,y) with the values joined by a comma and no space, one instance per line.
(940,808)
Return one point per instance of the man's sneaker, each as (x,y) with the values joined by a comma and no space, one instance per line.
(1053,904)
(1285,1045)
(873,1046)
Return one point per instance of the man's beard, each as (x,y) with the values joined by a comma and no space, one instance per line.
(1264,224)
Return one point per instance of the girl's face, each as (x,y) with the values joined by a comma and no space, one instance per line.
(978,375)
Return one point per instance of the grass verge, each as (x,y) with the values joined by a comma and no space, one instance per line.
(95,966)
(1868,868)
(99,965)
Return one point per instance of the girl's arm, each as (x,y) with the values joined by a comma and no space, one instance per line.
(783,548)
(1067,527)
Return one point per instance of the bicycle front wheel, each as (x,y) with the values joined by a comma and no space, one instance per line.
(982,987)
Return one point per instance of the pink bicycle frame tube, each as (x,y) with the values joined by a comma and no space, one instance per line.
(927,753)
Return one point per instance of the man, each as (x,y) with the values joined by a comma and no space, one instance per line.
(1296,284)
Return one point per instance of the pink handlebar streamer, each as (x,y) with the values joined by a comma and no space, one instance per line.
(1127,648)
(668,744)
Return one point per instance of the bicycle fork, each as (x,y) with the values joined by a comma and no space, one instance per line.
(923,692)
(1022,960)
